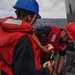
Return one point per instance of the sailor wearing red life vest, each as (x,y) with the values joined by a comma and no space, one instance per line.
(55,36)
(19,53)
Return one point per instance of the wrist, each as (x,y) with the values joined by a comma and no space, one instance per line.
(58,73)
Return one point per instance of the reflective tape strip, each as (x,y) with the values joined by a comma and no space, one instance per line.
(33,19)
(12,21)
(64,47)
(53,38)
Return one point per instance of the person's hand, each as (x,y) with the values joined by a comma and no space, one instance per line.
(55,74)
(50,69)
(45,48)
(48,48)
(50,65)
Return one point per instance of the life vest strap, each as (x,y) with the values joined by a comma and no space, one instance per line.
(5,61)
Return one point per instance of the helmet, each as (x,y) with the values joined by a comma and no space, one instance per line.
(30,5)
(70,28)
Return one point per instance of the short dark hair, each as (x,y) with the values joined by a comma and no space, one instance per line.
(23,12)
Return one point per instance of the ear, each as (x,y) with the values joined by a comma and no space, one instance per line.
(29,18)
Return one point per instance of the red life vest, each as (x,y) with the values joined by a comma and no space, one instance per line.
(11,31)
(54,39)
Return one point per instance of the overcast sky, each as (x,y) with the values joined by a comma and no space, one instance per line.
(48,8)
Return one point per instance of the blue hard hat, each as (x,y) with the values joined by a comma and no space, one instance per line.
(30,5)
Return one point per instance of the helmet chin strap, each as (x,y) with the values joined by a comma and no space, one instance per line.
(64,36)
(33,19)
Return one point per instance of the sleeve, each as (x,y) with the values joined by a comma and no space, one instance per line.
(62,53)
(23,59)
(43,30)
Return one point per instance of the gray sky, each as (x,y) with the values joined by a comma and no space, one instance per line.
(48,8)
